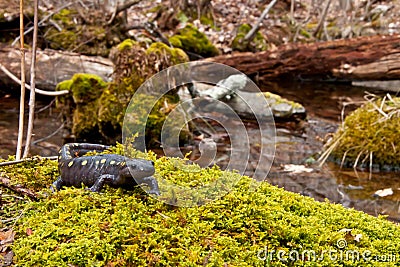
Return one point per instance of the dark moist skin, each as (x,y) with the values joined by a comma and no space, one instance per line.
(95,171)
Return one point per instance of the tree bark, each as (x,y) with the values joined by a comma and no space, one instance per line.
(53,66)
(363,58)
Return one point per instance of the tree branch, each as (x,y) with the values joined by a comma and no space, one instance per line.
(127,5)
(250,35)
(39,91)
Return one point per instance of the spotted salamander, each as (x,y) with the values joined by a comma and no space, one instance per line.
(95,171)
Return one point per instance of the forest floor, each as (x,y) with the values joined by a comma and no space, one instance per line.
(287,21)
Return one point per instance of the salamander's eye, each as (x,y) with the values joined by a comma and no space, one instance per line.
(134,167)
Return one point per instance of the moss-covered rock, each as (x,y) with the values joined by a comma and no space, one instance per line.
(86,88)
(120,228)
(370,133)
(105,103)
(80,107)
(257,44)
(190,39)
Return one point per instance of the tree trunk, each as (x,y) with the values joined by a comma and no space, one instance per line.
(53,66)
(363,58)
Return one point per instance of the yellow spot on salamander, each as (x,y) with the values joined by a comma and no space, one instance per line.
(103,161)
(84,162)
(112,162)
(59,157)
(123,163)
(97,162)
(70,163)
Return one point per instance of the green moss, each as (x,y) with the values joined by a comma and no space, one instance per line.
(208,20)
(35,174)
(117,96)
(121,228)
(91,36)
(65,16)
(126,44)
(257,44)
(138,117)
(161,50)
(85,121)
(64,85)
(62,39)
(86,87)
(192,40)
(181,16)
(82,103)
(274,98)
(367,133)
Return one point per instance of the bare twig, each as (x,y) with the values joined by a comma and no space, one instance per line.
(46,107)
(120,8)
(113,15)
(152,30)
(250,35)
(12,162)
(292,19)
(322,20)
(22,98)
(39,91)
(50,135)
(32,96)
(17,188)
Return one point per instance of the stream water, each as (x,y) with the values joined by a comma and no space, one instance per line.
(296,144)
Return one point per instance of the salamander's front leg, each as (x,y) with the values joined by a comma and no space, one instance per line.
(152,183)
(105,178)
(56,185)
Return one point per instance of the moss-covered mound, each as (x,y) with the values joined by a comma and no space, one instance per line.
(369,136)
(80,108)
(98,108)
(257,44)
(191,40)
(268,227)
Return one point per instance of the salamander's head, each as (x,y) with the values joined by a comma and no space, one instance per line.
(138,168)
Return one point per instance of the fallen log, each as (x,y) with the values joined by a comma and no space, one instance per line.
(363,58)
(52,66)
(358,59)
